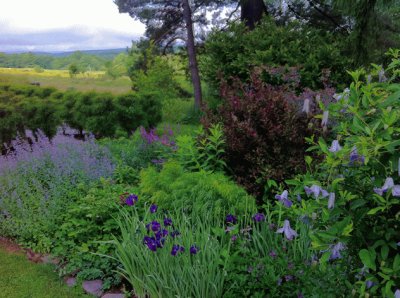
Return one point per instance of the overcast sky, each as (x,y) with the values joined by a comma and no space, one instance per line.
(64,25)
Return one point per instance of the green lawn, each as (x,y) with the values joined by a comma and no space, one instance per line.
(20,278)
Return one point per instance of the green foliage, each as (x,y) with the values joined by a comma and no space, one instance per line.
(196,192)
(73,70)
(264,264)
(159,274)
(365,214)
(85,227)
(236,51)
(204,152)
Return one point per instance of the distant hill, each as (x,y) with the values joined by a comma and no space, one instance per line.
(86,59)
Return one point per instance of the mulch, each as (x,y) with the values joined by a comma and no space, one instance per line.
(10,246)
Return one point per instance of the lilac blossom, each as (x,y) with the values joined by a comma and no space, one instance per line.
(335,251)
(335,146)
(287,230)
(331,201)
(283,198)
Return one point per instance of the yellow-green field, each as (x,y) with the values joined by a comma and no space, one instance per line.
(60,79)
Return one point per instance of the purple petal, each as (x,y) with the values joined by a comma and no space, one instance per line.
(331,201)
(396,191)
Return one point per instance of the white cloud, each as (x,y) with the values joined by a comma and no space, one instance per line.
(92,18)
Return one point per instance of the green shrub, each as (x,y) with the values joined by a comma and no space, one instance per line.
(174,189)
(359,171)
(234,53)
(86,225)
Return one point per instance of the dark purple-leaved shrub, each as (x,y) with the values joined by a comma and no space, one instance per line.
(265,127)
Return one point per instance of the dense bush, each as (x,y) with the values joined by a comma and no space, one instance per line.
(103,114)
(354,192)
(174,189)
(265,129)
(236,51)
(36,181)
(85,227)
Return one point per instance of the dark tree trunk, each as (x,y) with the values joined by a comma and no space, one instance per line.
(252,12)
(194,69)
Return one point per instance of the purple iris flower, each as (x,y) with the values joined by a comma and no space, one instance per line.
(396,191)
(167,222)
(335,251)
(155,226)
(325,117)
(231,219)
(386,186)
(331,201)
(287,230)
(273,254)
(193,250)
(288,277)
(283,198)
(175,234)
(355,157)
(131,200)
(150,242)
(161,234)
(234,238)
(335,147)
(259,217)
(176,249)
(153,208)
(316,190)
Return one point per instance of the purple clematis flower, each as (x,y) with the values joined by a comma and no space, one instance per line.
(283,198)
(335,147)
(397,294)
(331,201)
(335,251)
(325,117)
(131,200)
(259,217)
(231,219)
(287,230)
(386,186)
(396,191)
(355,157)
(316,191)
(193,250)
(153,208)
(369,284)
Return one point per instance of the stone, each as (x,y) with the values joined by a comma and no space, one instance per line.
(113,295)
(93,287)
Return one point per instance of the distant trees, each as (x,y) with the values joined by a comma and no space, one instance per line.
(73,70)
